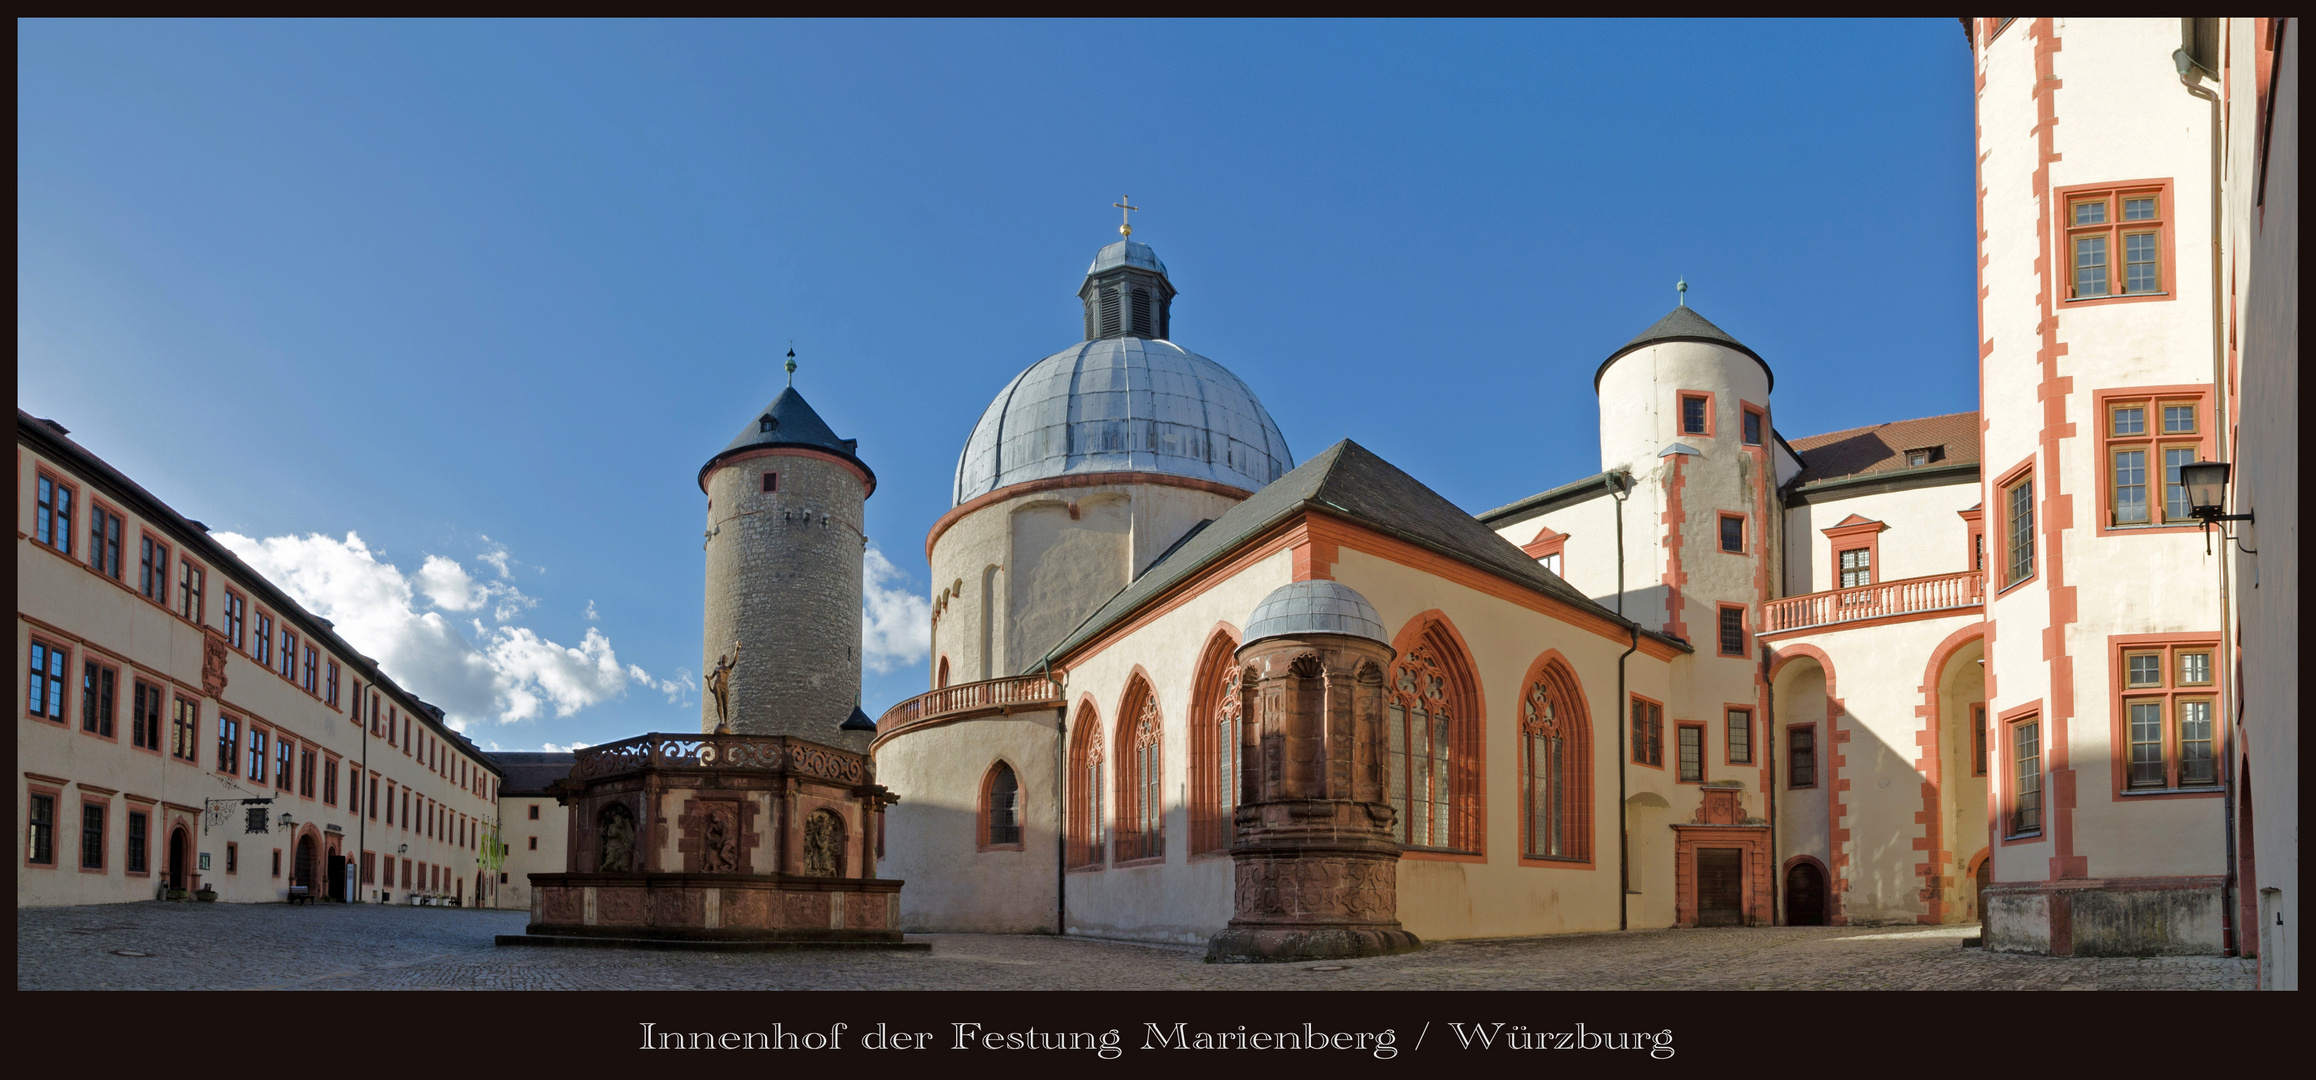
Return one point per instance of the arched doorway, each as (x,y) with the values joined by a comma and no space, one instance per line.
(1805,894)
(178,843)
(1983,877)
(302,872)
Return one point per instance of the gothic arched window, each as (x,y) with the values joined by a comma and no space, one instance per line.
(1430,721)
(1217,714)
(1085,811)
(1001,808)
(1141,806)
(1555,767)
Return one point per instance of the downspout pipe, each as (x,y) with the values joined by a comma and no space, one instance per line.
(2229,931)
(1623,842)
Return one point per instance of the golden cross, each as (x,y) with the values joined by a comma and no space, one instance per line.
(1125,215)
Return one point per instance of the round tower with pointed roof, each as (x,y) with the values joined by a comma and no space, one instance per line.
(782,629)
(1683,380)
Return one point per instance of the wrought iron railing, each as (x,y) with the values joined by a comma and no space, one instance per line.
(1939,592)
(989,695)
(736,752)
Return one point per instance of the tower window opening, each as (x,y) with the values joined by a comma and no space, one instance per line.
(1141,310)
(766,425)
(1109,313)
(771,482)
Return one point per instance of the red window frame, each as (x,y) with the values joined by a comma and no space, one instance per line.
(1681,401)
(2171,688)
(192,590)
(103,807)
(185,730)
(1721,533)
(2006,804)
(153,568)
(2023,472)
(100,699)
(1681,728)
(2063,202)
(1647,733)
(236,620)
(2153,440)
(1728,745)
(148,715)
(56,517)
(1744,631)
(1793,775)
(48,666)
(104,546)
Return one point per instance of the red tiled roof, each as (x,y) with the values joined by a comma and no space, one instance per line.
(1881,448)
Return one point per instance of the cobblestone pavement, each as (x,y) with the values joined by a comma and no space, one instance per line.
(274,946)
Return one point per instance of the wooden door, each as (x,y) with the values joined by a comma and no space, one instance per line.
(1804,895)
(1720,886)
(1984,877)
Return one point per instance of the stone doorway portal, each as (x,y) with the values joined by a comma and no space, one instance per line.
(177,846)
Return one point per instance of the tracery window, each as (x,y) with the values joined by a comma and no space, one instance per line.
(1427,721)
(1555,768)
(1141,807)
(1085,817)
(1217,762)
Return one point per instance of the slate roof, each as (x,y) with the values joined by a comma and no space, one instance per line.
(1881,448)
(1348,481)
(531,772)
(794,423)
(1683,324)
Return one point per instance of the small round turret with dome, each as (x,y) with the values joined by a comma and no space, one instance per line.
(1085,468)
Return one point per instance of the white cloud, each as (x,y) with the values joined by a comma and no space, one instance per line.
(501,673)
(496,556)
(591,614)
(677,689)
(564,749)
(896,621)
(448,586)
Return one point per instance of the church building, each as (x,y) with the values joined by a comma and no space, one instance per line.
(1937,670)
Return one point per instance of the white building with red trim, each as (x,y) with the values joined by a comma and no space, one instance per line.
(1937,670)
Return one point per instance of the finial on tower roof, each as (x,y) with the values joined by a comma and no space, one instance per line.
(792,363)
(1125,215)
(1680,289)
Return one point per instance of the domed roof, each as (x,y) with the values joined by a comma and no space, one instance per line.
(1315,607)
(1123,405)
(1124,401)
(1125,253)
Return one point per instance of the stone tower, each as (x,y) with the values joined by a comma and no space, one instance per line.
(782,631)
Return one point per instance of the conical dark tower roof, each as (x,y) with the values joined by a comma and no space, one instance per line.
(789,421)
(1683,324)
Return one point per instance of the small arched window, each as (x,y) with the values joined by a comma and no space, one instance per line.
(1001,808)
(1141,806)
(941,676)
(1555,767)
(1085,791)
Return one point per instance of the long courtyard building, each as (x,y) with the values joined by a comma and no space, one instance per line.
(191,730)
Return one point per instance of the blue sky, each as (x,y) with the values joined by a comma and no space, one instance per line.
(482,297)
